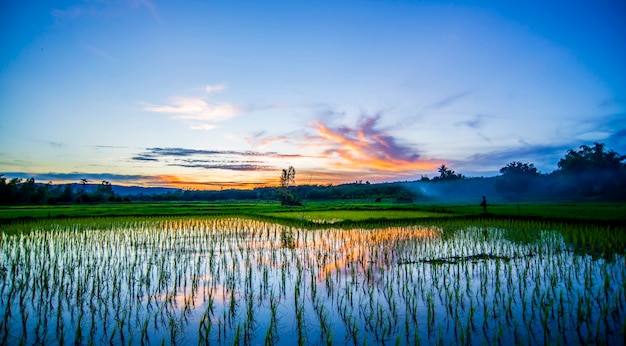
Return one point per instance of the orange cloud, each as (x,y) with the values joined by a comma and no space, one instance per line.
(197,183)
(369,148)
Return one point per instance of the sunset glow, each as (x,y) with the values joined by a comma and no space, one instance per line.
(220,95)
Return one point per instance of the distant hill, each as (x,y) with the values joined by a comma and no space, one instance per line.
(126,190)
(135,190)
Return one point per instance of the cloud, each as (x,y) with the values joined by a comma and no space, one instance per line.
(105,9)
(69,13)
(260,139)
(184,152)
(608,128)
(214,88)
(231,167)
(144,158)
(448,101)
(170,180)
(56,145)
(149,5)
(544,157)
(99,52)
(203,127)
(475,123)
(618,141)
(189,108)
(232,160)
(610,103)
(365,146)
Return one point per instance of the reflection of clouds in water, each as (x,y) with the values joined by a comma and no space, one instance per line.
(355,248)
(184,277)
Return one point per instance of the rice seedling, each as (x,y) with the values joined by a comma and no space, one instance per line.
(243,281)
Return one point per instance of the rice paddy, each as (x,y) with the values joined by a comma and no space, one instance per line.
(229,280)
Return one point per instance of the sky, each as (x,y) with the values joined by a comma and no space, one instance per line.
(226,94)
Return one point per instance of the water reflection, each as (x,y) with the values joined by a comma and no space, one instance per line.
(230,280)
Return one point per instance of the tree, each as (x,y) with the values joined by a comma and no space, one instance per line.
(516,178)
(592,172)
(4,190)
(67,195)
(591,158)
(82,193)
(287,180)
(444,171)
(104,191)
(447,174)
(288,177)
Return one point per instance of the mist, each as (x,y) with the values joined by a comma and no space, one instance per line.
(579,187)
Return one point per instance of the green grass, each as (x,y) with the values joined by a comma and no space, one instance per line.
(134,209)
(325,212)
(333,216)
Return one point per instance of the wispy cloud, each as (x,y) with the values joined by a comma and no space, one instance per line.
(476,123)
(214,88)
(203,127)
(199,112)
(148,5)
(182,182)
(142,157)
(231,167)
(99,52)
(544,157)
(97,8)
(449,100)
(189,108)
(232,160)
(56,145)
(365,146)
(261,138)
(184,152)
(70,12)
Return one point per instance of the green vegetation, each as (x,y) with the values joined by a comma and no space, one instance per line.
(331,211)
(231,280)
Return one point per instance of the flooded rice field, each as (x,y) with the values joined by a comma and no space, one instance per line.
(239,281)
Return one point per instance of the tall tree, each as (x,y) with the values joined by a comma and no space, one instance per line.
(515,179)
(83,197)
(104,191)
(592,172)
(447,174)
(595,157)
(287,180)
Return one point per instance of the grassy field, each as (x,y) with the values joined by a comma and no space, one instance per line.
(325,212)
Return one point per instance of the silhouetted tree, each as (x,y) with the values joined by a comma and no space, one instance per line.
(447,174)
(287,180)
(591,171)
(67,195)
(516,178)
(104,192)
(590,158)
(83,193)
(3,189)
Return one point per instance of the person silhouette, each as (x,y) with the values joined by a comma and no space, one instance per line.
(484,204)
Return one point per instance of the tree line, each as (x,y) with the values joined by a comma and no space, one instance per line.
(589,173)
(20,191)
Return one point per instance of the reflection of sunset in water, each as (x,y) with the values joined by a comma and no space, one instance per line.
(237,281)
(359,248)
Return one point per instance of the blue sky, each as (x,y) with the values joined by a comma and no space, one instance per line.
(215,94)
